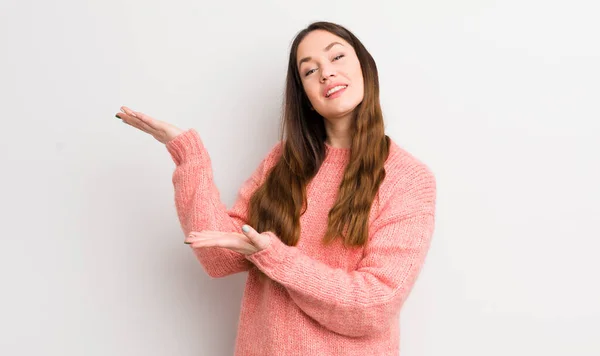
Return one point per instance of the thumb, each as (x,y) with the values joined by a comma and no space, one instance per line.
(258,240)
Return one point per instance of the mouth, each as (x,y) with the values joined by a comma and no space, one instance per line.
(335,91)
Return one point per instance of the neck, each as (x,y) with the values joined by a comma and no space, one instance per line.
(338,131)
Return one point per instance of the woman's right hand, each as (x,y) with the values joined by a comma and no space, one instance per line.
(160,130)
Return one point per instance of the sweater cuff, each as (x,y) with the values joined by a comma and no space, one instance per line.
(186,146)
(271,259)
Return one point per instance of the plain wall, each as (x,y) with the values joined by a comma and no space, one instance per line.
(498,98)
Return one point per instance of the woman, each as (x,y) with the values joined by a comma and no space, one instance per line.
(337,216)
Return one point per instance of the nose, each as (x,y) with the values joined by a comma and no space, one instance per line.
(326,72)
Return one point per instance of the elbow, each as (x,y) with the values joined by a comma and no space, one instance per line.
(372,329)
(215,273)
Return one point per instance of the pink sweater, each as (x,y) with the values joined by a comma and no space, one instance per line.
(317,300)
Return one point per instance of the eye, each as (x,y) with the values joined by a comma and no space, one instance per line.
(309,72)
(334,59)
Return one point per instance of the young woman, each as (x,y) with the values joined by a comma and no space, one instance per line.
(333,226)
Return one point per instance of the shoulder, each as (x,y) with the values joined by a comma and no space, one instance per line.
(271,157)
(402,165)
(409,182)
(274,152)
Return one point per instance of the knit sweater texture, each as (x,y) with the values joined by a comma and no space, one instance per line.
(318,300)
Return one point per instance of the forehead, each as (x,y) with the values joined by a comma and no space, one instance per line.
(315,42)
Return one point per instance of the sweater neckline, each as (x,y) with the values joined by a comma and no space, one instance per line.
(336,154)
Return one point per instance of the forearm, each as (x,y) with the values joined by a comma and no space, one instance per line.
(198,204)
(360,302)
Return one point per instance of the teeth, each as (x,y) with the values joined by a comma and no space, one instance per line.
(334,89)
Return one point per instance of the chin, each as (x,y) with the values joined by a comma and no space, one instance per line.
(343,110)
(337,114)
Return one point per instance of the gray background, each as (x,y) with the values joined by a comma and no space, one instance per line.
(499,98)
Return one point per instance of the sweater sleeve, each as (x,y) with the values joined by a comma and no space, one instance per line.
(364,301)
(199,206)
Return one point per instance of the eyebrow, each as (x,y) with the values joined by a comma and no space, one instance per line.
(306,59)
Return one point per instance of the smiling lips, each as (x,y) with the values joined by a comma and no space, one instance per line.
(334,90)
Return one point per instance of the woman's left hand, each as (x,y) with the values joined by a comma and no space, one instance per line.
(249,242)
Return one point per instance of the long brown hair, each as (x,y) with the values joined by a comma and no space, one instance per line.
(278,203)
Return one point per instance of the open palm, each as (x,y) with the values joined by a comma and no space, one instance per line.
(160,130)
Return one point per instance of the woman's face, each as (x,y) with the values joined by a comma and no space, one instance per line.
(331,74)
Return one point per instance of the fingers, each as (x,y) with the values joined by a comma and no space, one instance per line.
(229,242)
(196,236)
(135,119)
(128,111)
(135,123)
(143,118)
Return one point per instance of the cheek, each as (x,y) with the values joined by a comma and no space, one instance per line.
(361,87)
(359,82)
(354,73)
(312,91)
(357,75)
